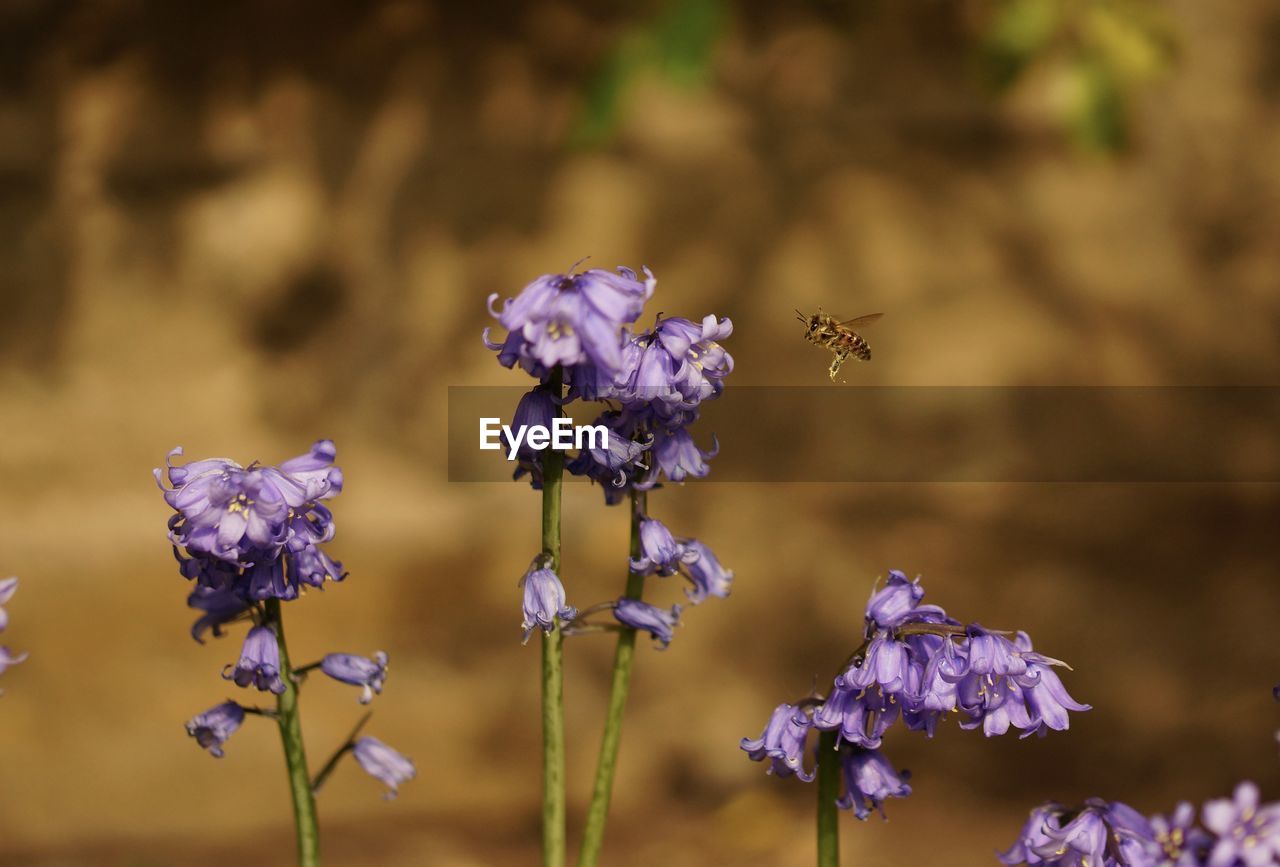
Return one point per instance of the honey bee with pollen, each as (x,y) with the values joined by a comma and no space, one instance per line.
(822,329)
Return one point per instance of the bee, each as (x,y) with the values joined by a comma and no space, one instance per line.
(822,329)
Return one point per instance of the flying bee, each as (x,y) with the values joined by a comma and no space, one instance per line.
(823,330)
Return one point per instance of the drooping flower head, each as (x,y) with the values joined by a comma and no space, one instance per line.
(574,321)
(672,369)
(1247,831)
(660,623)
(384,764)
(619,462)
(869,780)
(707,576)
(259,664)
(212,728)
(544,598)
(241,514)
(783,742)
(8,587)
(362,671)
(254,532)
(659,550)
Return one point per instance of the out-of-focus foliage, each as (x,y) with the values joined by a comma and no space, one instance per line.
(1091,55)
(676,43)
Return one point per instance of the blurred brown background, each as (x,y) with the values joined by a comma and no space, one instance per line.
(240,226)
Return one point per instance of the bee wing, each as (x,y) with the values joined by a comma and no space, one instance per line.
(862,320)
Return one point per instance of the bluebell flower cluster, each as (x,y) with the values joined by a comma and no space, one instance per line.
(246,535)
(1239,831)
(8,587)
(916,666)
(577,330)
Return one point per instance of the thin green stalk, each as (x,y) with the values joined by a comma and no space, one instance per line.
(828,793)
(347,746)
(553,759)
(295,754)
(623,656)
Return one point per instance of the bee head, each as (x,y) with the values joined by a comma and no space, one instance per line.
(811,322)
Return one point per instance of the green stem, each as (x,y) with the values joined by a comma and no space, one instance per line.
(623,656)
(295,754)
(828,793)
(347,746)
(553,759)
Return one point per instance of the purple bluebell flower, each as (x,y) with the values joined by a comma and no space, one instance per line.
(1099,834)
(309,565)
(1178,840)
(212,728)
(783,742)
(8,587)
(705,573)
(370,674)
(570,320)
(220,605)
(1247,831)
(544,598)
(384,764)
(243,514)
(259,664)
(659,550)
(676,456)
(886,665)
(869,780)
(1032,836)
(658,622)
(616,464)
(537,408)
(674,368)
(860,716)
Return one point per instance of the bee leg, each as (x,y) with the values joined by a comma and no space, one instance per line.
(835,364)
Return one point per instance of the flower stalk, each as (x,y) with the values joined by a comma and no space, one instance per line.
(828,793)
(619,687)
(553,751)
(305,822)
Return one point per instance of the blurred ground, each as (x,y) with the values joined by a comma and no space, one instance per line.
(238,228)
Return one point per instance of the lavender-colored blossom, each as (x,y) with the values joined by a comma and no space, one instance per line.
(615,464)
(1247,831)
(544,598)
(869,780)
(674,368)
(1178,840)
(384,764)
(886,665)
(220,605)
(783,742)
(659,550)
(860,716)
(705,573)
(243,514)
(1100,834)
(8,587)
(537,408)
(311,566)
(571,321)
(259,664)
(362,671)
(658,622)
(676,456)
(212,728)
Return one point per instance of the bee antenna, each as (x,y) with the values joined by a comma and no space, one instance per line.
(574,266)
(801,316)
